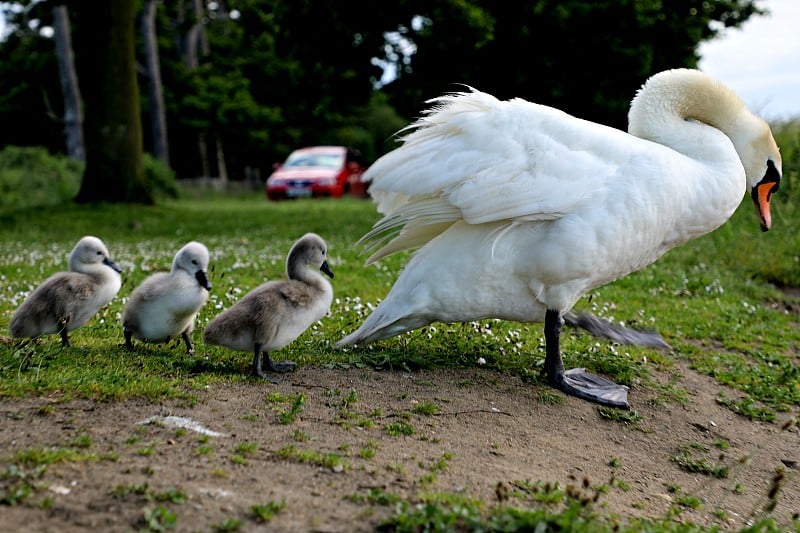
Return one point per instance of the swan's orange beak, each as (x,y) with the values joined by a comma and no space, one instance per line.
(762,193)
(761,196)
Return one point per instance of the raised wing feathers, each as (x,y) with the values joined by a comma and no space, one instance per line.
(477,159)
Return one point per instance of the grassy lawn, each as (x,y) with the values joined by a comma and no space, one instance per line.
(723,302)
(715,300)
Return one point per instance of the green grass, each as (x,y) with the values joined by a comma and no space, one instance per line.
(717,301)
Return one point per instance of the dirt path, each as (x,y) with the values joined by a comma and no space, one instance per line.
(489,428)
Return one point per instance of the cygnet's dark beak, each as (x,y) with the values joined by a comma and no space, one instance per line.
(202,280)
(325,268)
(108,262)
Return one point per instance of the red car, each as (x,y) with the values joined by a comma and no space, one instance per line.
(318,171)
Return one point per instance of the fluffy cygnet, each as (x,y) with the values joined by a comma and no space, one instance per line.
(166,304)
(67,300)
(274,314)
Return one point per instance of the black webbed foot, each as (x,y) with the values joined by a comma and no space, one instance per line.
(577,382)
(581,384)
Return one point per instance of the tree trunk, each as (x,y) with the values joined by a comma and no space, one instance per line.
(73,116)
(113,128)
(222,167)
(158,117)
(195,44)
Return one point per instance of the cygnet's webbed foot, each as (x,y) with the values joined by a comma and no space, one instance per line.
(581,384)
(280,367)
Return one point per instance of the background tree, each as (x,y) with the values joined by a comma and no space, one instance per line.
(113,130)
(73,111)
(266,85)
(587,58)
(155,88)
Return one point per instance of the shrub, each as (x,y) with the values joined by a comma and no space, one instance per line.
(31,177)
(159,178)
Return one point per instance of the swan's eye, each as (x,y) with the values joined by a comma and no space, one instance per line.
(194,261)
(99,253)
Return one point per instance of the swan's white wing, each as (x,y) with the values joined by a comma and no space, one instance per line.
(478,159)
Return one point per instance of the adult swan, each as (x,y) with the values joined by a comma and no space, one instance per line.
(519,209)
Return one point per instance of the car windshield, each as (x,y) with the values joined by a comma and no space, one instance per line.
(315,159)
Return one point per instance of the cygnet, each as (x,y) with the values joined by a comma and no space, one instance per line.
(274,314)
(67,300)
(165,305)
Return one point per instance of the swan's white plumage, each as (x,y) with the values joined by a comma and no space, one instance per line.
(518,208)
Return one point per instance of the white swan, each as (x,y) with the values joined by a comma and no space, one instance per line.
(165,304)
(274,314)
(520,209)
(67,300)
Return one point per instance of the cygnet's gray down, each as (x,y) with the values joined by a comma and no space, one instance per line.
(67,300)
(274,314)
(165,305)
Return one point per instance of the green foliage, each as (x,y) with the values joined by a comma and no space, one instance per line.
(632,39)
(327,460)
(289,415)
(17,483)
(263,87)
(426,408)
(399,428)
(266,512)
(229,524)
(159,179)
(687,462)
(787,135)
(159,519)
(618,415)
(30,177)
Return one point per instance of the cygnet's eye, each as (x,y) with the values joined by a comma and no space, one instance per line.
(99,253)
(194,261)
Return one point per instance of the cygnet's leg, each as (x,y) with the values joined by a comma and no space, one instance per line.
(127,333)
(63,332)
(187,341)
(577,382)
(260,355)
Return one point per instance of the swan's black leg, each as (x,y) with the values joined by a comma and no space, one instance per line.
(188,342)
(576,382)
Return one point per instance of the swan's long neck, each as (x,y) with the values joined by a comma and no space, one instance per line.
(702,119)
(677,110)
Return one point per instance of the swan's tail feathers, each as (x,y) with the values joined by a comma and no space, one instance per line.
(376,328)
(622,335)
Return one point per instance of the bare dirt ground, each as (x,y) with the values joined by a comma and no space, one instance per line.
(490,429)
